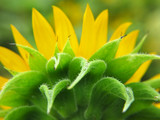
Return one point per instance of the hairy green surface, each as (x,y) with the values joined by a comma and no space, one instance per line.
(73,88)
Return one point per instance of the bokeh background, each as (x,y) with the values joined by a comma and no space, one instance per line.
(144,14)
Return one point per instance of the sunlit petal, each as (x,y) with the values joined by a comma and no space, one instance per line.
(19,39)
(140,72)
(127,44)
(101,29)
(3,80)
(120,31)
(43,34)
(64,29)
(12,60)
(87,45)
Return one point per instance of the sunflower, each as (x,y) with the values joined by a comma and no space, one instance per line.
(93,39)
(94,36)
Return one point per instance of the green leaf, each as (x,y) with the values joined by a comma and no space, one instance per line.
(17,91)
(107,52)
(68,49)
(36,60)
(52,93)
(28,113)
(144,92)
(57,67)
(103,94)
(124,67)
(151,113)
(155,83)
(139,46)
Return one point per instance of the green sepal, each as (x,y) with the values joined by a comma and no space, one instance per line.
(129,99)
(151,113)
(85,69)
(107,52)
(75,67)
(95,66)
(83,76)
(114,110)
(65,103)
(36,60)
(155,83)
(103,93)
(137,106)
(144,92)
(124,67)
(51,94)
(50,66)
(57,67)
(139,46)
(17,91)
(56,51)
(68,49)
(28,113)
(118,107)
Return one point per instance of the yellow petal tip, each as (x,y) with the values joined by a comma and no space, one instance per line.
(88,8)
(34,11)
(12,26)
(128,23)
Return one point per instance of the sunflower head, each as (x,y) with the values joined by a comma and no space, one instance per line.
(65,80)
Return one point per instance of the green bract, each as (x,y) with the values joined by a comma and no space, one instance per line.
(73,88)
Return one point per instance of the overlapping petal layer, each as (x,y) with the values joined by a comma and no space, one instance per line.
(44,35)
(87,44)
(101,30)
(3,80)
(19,39)
(64,30)
(120,31)
(12,61)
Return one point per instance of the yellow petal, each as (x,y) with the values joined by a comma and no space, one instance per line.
(12,60)
(43,34)
(139,73)
(157,105)
(1,119)
(156,77)
(19,39)
(120,31)
(5,107)
(127,44)
(64,29)
(87,44)
(101,29)
(2,81)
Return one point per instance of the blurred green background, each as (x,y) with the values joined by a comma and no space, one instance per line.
(144,14)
